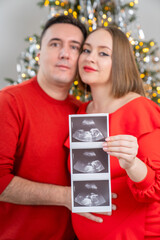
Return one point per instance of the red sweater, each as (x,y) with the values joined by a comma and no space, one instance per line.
(138,204)
(33,128)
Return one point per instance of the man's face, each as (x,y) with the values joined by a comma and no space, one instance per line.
(59,54)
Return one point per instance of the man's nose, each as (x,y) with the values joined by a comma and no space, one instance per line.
(64,53)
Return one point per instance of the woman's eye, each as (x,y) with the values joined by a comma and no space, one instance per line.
(103,54)
(86,50)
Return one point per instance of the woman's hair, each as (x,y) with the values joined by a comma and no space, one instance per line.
(125,75)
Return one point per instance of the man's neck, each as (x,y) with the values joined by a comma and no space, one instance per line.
(54,91)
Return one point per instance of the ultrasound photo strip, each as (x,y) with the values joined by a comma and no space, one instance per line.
(90,165)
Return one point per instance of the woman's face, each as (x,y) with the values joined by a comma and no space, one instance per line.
(95,61)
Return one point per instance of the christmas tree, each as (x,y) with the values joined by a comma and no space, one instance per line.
(95,13)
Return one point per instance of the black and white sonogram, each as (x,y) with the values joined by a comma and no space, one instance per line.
(91,193)
(89,129)
(89,160)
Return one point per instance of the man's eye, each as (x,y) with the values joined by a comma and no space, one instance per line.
(75,47)
(54,44)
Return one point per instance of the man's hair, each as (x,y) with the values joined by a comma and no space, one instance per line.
(64,19)
(125,76)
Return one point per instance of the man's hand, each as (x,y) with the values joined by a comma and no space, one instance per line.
(88,215)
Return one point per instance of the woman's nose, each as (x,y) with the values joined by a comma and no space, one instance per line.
(91,56)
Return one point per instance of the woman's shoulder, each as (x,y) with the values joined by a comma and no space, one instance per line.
(140,113)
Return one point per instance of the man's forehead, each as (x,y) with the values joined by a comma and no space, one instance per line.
(64,31)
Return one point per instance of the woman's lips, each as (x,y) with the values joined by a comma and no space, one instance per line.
(89,69)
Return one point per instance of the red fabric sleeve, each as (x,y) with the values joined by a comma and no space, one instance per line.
(149,188)
(9,132)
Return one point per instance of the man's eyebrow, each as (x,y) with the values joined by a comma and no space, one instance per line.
(58,39)
(55,39)
(76,42)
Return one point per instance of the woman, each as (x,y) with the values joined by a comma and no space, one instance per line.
(107,65)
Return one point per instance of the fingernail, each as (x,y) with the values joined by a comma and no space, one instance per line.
(114,207)
(107,139)
(114,195)
(100,220)
(104,144)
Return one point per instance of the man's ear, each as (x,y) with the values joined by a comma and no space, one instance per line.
(38,55)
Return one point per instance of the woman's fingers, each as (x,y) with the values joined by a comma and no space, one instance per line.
(129,138)
(121,146)
(129,151)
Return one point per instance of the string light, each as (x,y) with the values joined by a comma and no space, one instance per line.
(145,50)
(23,75)
(152,44)
(37,46)
(75,14)
(65,12)
(46,3)
(154,94)
(128,34)
(76,83)
(83,19)
(30,39)
(57,2)
(142,75)
(136,1)
(105,24)
(109,19)
(90,22)
(78,97)
(141,44)
(131,4)
(37,59)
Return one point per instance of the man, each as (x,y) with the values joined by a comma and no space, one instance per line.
(34,197)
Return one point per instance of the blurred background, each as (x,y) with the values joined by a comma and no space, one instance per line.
(20,19)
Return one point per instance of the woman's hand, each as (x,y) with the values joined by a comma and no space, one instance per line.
(124,147)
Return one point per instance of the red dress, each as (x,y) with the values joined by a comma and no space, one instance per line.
(138,204)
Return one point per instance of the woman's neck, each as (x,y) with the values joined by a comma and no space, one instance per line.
(102,100)
(105,102)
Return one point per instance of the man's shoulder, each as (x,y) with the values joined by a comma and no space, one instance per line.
(19,88)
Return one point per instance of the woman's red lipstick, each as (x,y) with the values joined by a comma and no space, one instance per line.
(89,69)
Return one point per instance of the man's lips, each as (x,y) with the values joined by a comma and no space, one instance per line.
(61,66)
(89,69)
